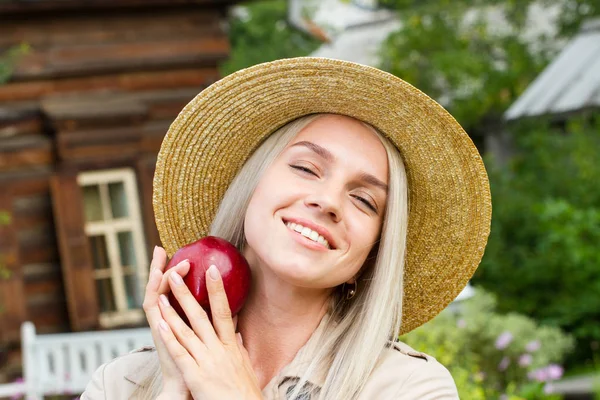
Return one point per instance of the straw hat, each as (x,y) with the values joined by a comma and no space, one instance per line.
(450,203)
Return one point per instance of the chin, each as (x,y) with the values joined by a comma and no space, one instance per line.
(302,274)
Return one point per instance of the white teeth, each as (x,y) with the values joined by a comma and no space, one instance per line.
(309,233)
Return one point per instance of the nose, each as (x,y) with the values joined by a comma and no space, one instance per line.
(325,203)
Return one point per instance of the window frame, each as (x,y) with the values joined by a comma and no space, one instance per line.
(123,315)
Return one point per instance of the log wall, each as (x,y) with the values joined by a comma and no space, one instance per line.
(98,89)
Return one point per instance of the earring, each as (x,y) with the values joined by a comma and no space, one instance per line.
(351,292)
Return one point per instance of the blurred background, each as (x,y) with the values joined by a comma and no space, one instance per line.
(88,89)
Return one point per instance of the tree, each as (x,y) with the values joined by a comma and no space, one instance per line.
(259,32)
(542,257)
(476,57)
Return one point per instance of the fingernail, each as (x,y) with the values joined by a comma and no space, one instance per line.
(213,272)
(239,336)
(164,300)
(183,262)
(154,251)
(176,278)
(163,325)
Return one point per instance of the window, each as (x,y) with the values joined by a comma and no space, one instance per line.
(113,227)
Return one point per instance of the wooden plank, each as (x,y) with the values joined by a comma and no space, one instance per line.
(19,121)
(22,152)
(76,261)
(102,58)
(28,182)
(107,154)
(92,106)
(40,293)
(31,211)
(12,294)
(123,136)
(38,254)
(53,319)
(141,25)
(25,159)
(16,6)
(42,271)
(84,111)
(130,81)
(153,134)
(39,235)
(23,127)
(145,175)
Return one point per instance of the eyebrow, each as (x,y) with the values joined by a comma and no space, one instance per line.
(320,150)
(328,156)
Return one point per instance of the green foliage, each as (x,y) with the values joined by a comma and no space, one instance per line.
(542,257)
(466,343)
(9,59)
(472,55)
(260,32)
(476,57)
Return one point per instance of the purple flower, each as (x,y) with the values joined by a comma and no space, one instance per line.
(551,372)
(539,375)
(555,372)
(504,364)
(548,388)
(533,346)
(525,360)
(504,340)
(461,323)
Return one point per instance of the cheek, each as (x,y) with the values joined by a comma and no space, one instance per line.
(365,235)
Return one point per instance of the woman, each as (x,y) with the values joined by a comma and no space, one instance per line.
(363,212)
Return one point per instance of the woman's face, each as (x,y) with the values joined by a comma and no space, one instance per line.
(318,210)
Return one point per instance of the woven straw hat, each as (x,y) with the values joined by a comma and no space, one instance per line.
(450,203)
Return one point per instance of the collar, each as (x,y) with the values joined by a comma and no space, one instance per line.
(295,369)
(137,373)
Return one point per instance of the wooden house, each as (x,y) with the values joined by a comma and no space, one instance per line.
(81,121)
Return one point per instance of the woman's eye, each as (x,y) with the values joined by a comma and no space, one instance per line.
(304,169)
(366,202)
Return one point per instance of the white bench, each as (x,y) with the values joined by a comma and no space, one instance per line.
(63,363)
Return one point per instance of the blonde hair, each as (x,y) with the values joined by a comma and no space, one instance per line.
(356,332)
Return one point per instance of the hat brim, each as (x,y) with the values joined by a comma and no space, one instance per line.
(449,195)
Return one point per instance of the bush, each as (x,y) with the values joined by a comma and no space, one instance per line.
(490,354)
(542,258)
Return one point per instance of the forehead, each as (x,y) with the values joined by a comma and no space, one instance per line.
(348,139)
(340,130)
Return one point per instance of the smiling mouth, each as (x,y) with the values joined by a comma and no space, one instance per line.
(308,233)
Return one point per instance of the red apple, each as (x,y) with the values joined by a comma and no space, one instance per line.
(234,269)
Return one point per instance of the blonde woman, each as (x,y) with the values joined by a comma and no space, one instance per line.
(362,208)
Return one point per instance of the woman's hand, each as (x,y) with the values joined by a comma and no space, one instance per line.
(173,384)
(214,363)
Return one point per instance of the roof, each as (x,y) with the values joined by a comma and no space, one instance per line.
(570,83)
(354,30)
(29,6)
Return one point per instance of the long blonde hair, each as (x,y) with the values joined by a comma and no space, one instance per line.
(356,332)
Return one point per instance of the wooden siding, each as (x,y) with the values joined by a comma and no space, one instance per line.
(98,90)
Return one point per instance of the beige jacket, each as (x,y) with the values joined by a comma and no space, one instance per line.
(401,374)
